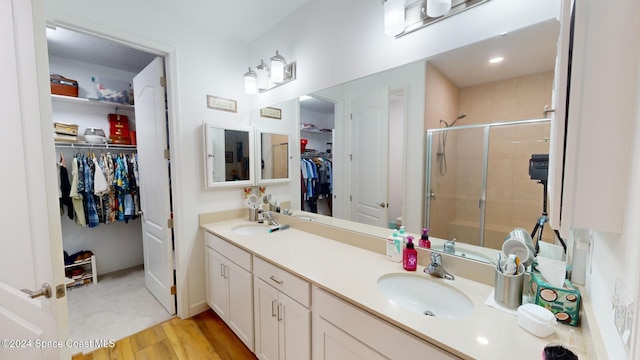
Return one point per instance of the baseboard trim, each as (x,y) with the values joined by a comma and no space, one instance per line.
(198,308)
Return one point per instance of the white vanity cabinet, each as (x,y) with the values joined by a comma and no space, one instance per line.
(342,331)
(229,286)
(282,315)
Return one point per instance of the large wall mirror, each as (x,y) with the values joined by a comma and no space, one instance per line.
(273,156)
(379,160)
(228,155)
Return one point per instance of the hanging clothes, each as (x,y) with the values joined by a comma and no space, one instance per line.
(75,194)
(65,189)
(89,200)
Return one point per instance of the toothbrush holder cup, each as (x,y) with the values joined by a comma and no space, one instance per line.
(508,288)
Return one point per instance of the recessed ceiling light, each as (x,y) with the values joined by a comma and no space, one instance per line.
(496,60)
(305,97)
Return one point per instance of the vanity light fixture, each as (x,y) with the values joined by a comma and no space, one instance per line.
(495,60)
(437,8)
(393,17)
(250,82)
(266,77)
(420,13)
(262,71)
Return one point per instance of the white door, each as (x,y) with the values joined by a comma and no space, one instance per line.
(31,241)
(151,125)
(369,128)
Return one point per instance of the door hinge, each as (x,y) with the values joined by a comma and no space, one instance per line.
(351,116)
(173,290)
(167,154)
(350,197)
(350,157)
(163,81)
(170,223)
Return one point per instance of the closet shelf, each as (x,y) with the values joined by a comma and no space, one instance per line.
(316,131)
(94,146)
(98,103)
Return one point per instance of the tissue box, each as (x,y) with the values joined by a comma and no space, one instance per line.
(564,303)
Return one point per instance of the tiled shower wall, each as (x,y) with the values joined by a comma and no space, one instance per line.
(513,199)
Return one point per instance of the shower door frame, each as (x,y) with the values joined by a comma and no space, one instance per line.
(485,160)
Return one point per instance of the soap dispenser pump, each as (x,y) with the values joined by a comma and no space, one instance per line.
(410,256)
(424,239)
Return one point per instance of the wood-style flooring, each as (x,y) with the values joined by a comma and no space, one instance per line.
(204,336)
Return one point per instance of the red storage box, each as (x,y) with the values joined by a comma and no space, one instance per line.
(119,125)
(303,145)
(60,85)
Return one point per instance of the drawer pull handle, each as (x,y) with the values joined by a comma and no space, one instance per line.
(273,278)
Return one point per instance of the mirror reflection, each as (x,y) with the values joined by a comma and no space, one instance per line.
(274,156)
(228,154)
(378,180)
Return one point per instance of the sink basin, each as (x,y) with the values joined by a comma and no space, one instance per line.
(250,229)
(424,296)
(469,254)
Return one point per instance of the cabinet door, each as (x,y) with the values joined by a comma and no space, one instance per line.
(295,329)
(216,284)
(329,343)
(266,320)
(240,302)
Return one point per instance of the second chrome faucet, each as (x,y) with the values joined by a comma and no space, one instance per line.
(436,268)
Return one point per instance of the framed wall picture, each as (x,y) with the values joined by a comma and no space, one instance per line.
(228,157)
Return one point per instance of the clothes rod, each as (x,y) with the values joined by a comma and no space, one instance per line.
(315,155)
(95,146)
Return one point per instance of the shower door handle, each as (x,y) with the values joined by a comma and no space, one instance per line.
(432,195)
(481,202)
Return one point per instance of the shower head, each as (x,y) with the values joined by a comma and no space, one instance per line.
(446,124)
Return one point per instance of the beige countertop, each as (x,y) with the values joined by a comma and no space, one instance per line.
(351,273)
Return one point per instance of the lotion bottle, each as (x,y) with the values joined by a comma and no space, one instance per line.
(409,256)
(394,247)
(424,239)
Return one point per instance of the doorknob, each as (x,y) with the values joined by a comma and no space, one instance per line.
(382,205)
(45,291)
(139,212)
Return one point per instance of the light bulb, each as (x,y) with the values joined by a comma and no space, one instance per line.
(437,8)
(277,68)
(393,17)
(250,82)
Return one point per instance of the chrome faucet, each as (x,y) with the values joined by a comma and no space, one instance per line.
(436,268)
(270,219)
(449,247)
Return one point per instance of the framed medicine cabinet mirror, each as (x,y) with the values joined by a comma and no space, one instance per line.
(229,159)
(272,157)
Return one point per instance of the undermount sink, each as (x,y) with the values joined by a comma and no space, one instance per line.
(250,229)
(424,296)
(469,254)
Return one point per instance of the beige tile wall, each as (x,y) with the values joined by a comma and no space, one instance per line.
(513,199)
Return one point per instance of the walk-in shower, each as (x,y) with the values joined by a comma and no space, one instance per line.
(442,144)
(477,182)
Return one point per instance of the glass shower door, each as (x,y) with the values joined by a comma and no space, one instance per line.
(455,183)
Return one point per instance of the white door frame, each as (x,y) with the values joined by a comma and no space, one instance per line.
(169,53)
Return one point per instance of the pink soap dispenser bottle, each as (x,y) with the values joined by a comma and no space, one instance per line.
(410,256)
(424,239)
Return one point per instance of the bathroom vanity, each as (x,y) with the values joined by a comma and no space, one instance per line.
(322,295)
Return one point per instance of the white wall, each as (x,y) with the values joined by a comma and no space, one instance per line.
(201,64)
(610,94)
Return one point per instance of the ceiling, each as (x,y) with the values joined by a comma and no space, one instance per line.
(530,50)
(243,20)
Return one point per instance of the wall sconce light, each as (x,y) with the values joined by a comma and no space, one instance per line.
(437,8)
(250,82)
(268,77)
(393,17)
(420,13)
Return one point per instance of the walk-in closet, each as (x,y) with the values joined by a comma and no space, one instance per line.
(98,150)
(317,124)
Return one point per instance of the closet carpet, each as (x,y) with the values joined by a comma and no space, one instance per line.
(117,306)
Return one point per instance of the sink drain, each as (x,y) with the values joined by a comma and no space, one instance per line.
(429,313)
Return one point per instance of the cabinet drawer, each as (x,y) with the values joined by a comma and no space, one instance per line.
(282,280)
(230,251)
